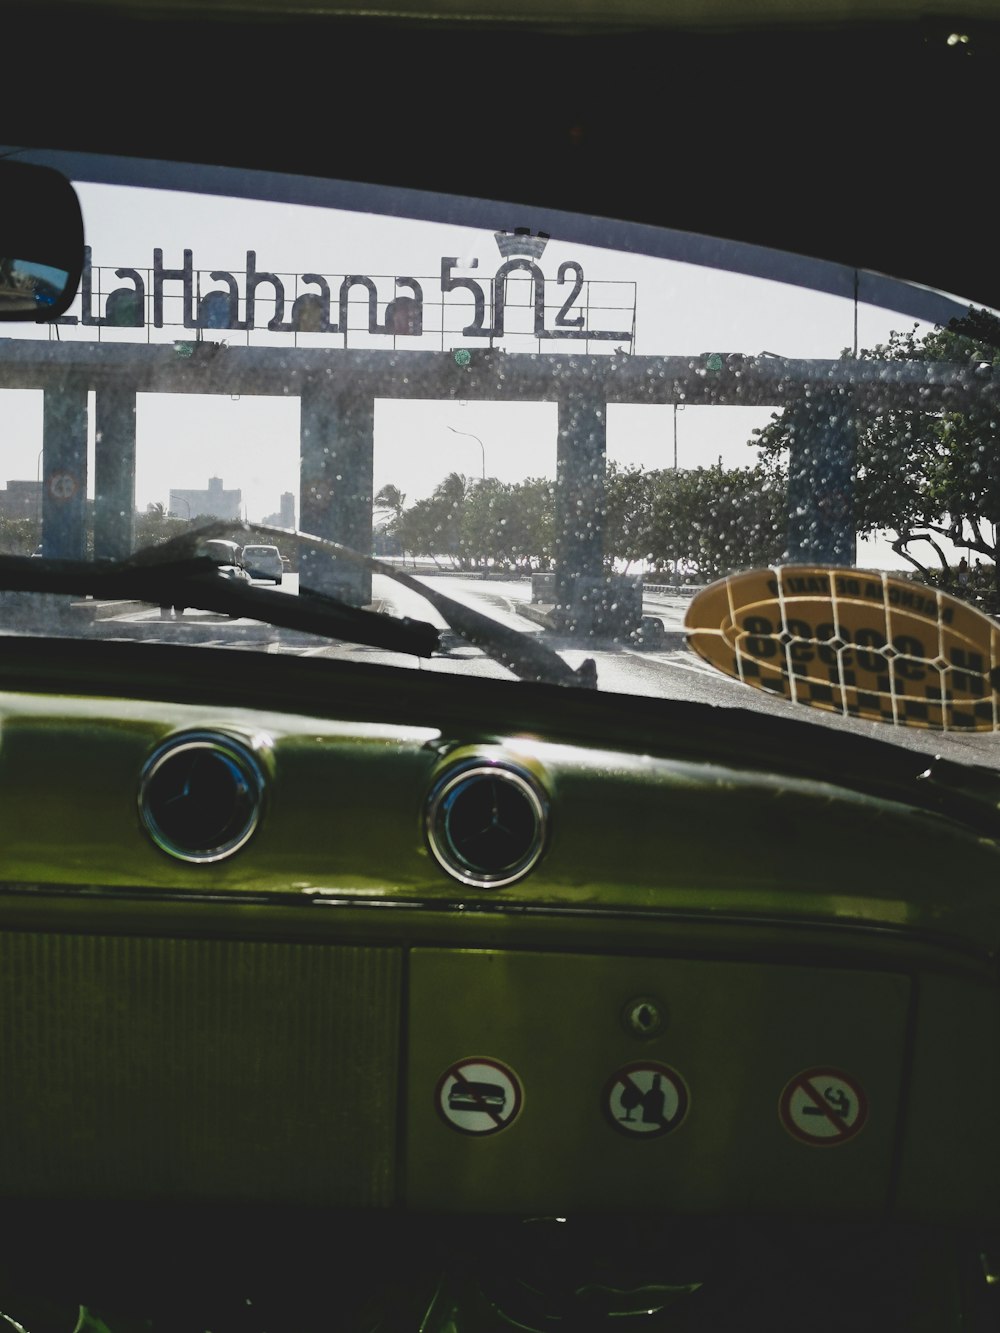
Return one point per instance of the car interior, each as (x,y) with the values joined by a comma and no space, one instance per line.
(474,994)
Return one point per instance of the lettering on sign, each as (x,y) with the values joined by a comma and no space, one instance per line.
(563,304)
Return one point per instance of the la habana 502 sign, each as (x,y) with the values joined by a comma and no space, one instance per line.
(560,305)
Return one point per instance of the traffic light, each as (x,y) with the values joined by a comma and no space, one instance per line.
(476,356)
(716,361)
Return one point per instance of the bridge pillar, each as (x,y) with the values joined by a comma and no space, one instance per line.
(64,471)
(581,450)
(821,465)
(338,449)
(114,473)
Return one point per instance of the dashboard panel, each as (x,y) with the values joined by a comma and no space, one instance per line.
(414,963)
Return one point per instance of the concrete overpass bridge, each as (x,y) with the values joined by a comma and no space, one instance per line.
(338,390)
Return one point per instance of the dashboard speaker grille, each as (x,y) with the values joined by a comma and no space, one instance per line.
(223,1070)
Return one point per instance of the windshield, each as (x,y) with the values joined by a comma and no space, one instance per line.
(512,425)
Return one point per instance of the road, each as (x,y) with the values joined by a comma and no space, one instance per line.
(671,671)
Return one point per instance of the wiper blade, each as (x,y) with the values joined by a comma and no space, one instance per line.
(523,654)
(159,576)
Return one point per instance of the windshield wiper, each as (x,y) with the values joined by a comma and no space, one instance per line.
(160,576)
(523,654)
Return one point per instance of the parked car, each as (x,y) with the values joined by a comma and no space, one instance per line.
(228,558)
(263,562)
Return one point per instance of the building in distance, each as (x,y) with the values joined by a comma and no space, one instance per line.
(21,499)
(215,502)
(285,517)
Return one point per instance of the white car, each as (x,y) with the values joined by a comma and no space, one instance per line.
(263,562)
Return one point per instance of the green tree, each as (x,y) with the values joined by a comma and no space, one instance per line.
(509,524)
(476,524)
(628,514)
(486,515)
(430,528)
(450,498)
(709,522)
(389,502)
(155,525)
(532,523)
(18,536)
(921,474)
(390,499)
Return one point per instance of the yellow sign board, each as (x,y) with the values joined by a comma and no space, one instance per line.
(863,644)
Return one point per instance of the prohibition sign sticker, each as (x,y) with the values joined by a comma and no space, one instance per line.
(478,1096)
(645,1099)
(823,1107)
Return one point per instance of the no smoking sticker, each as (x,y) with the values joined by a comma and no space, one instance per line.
(823,1107)
(645,1099)
(478,1096)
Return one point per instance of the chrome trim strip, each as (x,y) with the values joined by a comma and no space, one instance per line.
(493,909)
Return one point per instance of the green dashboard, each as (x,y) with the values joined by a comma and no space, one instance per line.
(321,937)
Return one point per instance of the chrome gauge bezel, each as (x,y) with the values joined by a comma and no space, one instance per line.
(240,760)
(448,785)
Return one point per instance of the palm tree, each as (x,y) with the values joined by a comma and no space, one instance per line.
(454,489)
(392,498)
(451,495)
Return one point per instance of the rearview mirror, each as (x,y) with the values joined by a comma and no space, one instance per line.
(41,242)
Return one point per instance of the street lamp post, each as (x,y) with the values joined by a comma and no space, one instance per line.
(477,440)
(482,447)
(678,407)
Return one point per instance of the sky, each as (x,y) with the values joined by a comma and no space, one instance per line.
(252,442)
